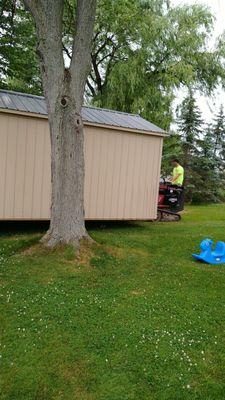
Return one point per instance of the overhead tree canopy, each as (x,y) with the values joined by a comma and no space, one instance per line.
(18,64)
(142,51)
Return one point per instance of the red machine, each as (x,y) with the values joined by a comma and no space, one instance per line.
(170,201)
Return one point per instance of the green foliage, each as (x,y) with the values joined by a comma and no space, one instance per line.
(18,65)
(142,51)
(113,325)
(161,49)
(190,122)
(218,134)
(172,148)
(201,150)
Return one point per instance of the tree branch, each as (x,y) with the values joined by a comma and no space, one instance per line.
(104,44)
(110,64)
(47,15)
(97,73)
(91,88)
(81,57)
(67,52)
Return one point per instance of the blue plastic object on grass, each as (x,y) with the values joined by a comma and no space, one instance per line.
(210,256)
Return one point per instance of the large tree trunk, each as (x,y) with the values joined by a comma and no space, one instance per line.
(67,171)
(64,91)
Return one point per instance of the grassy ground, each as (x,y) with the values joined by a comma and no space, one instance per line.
(134,318)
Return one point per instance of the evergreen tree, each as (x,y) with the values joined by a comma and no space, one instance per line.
(190,125)
(218,135)
(172,148)
(218,130)
(206,170)
(203,153)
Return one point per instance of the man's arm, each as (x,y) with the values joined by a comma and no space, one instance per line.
(175,177)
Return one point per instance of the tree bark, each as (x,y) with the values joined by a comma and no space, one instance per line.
(67,166)
(64,91)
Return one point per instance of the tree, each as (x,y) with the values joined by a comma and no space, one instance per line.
(64,90)
(154,49)
(218,132)
(142,51)
(172,148)
(190,126)
(18,65)
(205,174)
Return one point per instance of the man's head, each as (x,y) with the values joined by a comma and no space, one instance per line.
(175,162)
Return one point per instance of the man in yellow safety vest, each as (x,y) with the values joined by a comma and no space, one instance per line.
(178,173)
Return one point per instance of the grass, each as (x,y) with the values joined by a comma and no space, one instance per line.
(132,318)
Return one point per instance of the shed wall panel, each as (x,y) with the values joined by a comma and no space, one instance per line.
(121,171)
(122,174)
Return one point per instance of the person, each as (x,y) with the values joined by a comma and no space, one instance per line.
(178,173)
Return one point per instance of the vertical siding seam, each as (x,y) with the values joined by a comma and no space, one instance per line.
(145,195)
(152,176)
(113,177)
(85,175)
(25,168)
(155,187)
(140,174)
(160,147)
(149,186)
(34,169)
(119,178)
(98,177)
(132,173)
(15,172)
(138,183)
(125,191)
(105,181)
(6,161)
(42,175)
(101,190)
(91,179)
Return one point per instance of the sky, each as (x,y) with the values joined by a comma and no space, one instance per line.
(209,105)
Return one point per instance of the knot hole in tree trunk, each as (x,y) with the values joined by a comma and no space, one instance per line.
(64,101)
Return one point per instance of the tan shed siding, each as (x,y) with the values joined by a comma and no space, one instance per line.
(121,171)
(3,160)
(25,168)
(46,175)
(124,171)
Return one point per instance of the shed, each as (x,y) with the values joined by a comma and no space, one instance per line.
(122,162)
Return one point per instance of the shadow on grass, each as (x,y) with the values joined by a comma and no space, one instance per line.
(99,225)
(9,228)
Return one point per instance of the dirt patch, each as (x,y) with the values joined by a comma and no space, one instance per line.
(31,250)
(136,293)
(84,255)
(116,252)
(78,376)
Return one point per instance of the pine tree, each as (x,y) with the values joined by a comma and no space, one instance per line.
(218,130)
(190,125)
(206,166)
(203,153)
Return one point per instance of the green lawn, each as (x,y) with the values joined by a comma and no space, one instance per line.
(134,318)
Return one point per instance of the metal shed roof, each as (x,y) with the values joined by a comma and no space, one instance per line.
(22,102)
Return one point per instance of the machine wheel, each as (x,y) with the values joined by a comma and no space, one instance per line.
(167,216)
(159,216)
